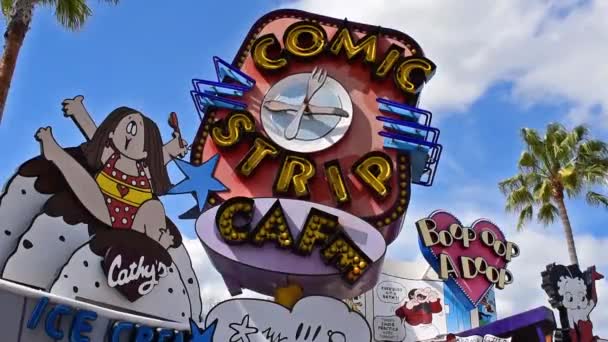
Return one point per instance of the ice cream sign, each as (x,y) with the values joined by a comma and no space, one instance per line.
(313,139)
(470,259)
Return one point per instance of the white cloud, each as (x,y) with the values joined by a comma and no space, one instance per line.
(212,286)
(548,50)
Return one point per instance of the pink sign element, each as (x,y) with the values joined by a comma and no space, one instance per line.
(470,259)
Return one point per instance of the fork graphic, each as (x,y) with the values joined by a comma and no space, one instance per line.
(315,82)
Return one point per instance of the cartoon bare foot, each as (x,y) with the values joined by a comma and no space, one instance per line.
(50,148)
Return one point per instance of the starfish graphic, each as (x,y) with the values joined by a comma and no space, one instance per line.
(242,331)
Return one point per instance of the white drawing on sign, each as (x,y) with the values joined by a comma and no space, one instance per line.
(309,320)
(308,331)
(272,336)
(135,271)
(336,336)
(242,330)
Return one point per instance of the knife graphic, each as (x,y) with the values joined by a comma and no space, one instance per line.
(278,106)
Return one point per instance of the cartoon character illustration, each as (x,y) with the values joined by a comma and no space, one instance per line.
(422,304)
(129,159)
(486,309)
(59,208)
(418,311)
(574,294)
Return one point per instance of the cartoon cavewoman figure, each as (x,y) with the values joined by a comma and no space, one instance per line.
(129,158)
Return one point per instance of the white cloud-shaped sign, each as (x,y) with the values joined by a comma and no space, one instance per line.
(313,319)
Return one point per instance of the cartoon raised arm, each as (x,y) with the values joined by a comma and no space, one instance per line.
(75,109)
(591,276)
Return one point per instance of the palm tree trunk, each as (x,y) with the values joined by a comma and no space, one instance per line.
(563,214)
(18,25)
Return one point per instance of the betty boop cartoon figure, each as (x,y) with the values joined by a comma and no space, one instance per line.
(574,294)
(418,311)
(127,152)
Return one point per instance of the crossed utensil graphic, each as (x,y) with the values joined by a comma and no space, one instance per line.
(315,82)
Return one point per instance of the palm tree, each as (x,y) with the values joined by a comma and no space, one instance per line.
(18,13)
(562,163)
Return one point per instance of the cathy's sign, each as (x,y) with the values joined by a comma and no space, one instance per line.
(320,109)
(470,259)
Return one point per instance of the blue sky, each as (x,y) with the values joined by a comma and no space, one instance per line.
(143,54)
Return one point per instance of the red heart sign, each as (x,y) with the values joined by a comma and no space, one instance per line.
(471,260)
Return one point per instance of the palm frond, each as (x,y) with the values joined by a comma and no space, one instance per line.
(72,13)
(593,149)
(554,135)
(594,173)
(596,199)
(533,141)
(542,191)
(525,215)
(510,184)
(580,133)
(527,160)
(568,176)
(7,6)
(547,213)
(518,199)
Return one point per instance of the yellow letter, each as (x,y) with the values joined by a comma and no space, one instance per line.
(336,181)
(273,227)
(261,148)
(492,274)
(512,251)
(304,39)
(488,238)
(346,257)
(403,74)
(227,132)
(342,39)
(446,267)
(382,69)
(375,170)
(318,228)
(233,219)
(467,264)
(426,230)
(260,53)
(505,278)
(289,175)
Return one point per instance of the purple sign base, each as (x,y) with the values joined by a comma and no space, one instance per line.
(530,326)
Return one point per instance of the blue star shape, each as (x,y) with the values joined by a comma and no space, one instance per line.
(199,180)
(200,335)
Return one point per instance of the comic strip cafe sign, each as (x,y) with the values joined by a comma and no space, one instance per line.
(331,153)
(470,259)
